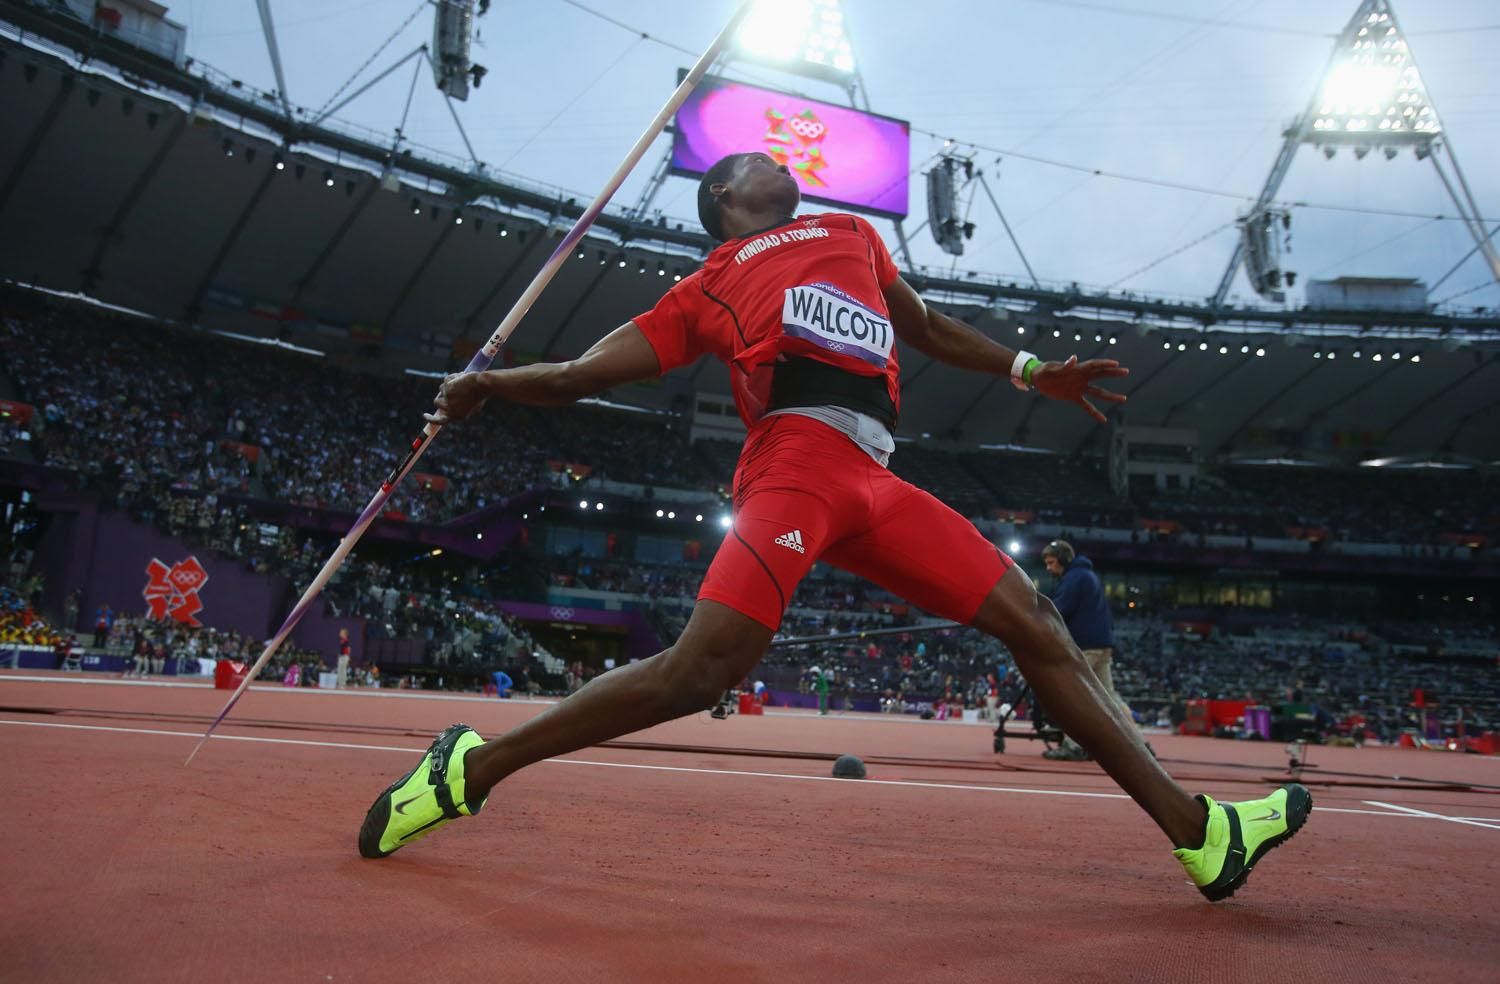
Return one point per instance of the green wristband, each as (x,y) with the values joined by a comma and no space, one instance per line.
(1029,368)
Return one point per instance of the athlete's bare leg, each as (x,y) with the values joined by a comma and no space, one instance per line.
(1028,623)
(717,648)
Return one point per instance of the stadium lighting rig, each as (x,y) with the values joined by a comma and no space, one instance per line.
(1370,97)
(948,229)
(452,40)
(1372,94)
(802,36)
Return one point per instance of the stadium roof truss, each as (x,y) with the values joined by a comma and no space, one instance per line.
(1370,97)
(172,203)
(319,142)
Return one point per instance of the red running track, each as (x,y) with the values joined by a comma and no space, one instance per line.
(629,864)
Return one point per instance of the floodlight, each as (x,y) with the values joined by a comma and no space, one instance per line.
(1372,92)
(1371,97)
(803,36)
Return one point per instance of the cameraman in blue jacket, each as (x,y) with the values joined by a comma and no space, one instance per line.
(1079,597)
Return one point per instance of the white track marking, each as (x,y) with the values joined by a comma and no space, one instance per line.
(1409,811)
(270,687)
(560,761)
(204,683)
(1402,813)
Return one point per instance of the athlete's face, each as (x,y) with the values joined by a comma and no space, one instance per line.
(760,183)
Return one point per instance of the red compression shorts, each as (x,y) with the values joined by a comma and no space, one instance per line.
(805,492)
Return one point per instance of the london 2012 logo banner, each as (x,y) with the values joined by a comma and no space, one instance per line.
(172,592)
(798,143)
(839,154)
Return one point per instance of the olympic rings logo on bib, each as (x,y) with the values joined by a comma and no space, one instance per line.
(826,316)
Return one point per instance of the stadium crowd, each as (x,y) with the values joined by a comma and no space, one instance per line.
(185,433)
(153,411)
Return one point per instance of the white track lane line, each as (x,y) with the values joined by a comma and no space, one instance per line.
(560,761)
(1404,814)
(1410,811)
(269,686)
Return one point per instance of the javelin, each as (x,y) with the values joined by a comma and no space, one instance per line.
(482,359)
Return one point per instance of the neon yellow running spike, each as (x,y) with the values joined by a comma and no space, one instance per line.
(427,797)
(1238,835)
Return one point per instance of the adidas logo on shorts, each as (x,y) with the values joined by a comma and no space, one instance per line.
(792,540)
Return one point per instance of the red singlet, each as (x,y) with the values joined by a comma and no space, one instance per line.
(803,491)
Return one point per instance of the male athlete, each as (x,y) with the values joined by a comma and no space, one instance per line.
(806,311)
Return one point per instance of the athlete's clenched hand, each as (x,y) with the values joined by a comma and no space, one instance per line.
(460,396)
(1074,382)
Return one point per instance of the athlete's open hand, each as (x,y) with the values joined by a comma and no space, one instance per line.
(1074,382)
(460,396)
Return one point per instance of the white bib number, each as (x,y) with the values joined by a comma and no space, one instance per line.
(826,316)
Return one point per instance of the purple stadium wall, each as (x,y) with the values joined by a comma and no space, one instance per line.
(106,554)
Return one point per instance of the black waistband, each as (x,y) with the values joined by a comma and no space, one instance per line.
(810,383)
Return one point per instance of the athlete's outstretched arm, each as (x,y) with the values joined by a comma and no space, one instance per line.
(622,356)
(950,341)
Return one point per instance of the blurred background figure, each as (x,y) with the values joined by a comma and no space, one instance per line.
(1079,597)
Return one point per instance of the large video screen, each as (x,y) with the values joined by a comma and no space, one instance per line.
(839,155)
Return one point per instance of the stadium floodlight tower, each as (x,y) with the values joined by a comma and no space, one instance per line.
(802,36)
(1371,97)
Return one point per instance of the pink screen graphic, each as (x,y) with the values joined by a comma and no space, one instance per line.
(839,155)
